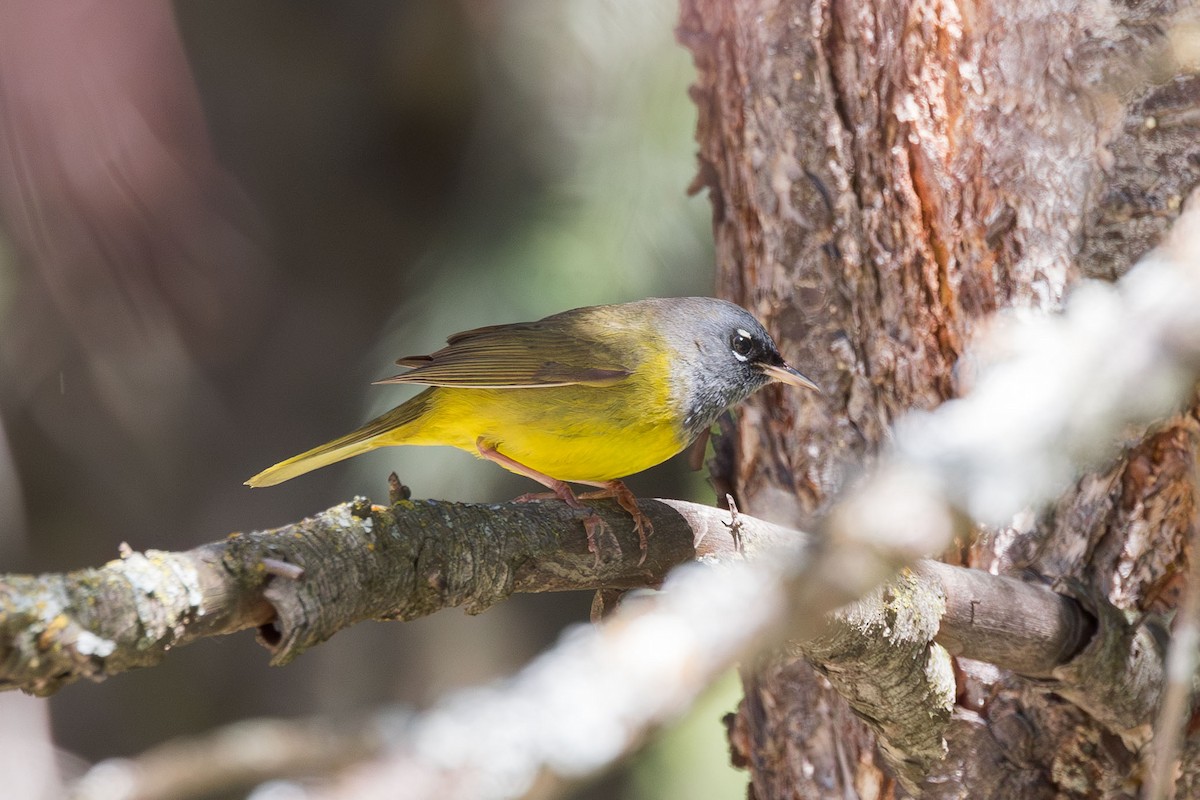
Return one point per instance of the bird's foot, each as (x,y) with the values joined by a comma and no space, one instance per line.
(530,497)
(625,499)
(593,524)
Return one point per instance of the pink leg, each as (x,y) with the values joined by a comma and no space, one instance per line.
(625,499)
(592,524)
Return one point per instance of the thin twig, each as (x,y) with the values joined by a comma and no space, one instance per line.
(1183,657)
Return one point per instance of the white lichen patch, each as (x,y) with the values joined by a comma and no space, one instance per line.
(939,676)
(165,588)
(89,644)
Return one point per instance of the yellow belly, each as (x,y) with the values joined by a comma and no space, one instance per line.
(573,433)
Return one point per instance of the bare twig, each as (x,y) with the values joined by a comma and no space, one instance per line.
(1182,658)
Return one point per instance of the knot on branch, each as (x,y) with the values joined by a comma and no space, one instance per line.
(1118,676)
(360,561)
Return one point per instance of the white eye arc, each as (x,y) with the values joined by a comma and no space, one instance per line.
(741,343)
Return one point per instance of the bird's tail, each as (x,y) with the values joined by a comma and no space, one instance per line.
(384,430)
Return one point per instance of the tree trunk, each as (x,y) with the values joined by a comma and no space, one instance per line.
(885,176)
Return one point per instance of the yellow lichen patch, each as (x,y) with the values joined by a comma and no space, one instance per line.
(46,639)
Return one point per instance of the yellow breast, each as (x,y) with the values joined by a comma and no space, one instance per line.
(573,433)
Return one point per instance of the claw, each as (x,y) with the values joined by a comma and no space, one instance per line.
(530,497)
(592,525)
(626,500)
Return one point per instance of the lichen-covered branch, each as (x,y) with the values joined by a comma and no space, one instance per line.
(637,671)
(92,623)
(909,677)
(358,561)
(301,583)
(710,619)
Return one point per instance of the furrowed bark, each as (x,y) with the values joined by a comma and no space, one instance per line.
(884,178)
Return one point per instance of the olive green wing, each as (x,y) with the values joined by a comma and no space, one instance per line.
(522,355)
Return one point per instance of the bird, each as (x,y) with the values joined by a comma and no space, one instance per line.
(586,396)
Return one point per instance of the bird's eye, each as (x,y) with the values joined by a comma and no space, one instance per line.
(742,344)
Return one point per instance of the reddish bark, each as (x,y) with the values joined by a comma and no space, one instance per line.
(884,177)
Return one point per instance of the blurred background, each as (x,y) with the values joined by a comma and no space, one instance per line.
(220,221)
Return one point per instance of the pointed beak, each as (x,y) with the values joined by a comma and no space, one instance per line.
(785,374)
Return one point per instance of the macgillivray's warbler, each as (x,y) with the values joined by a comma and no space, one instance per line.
(588,396)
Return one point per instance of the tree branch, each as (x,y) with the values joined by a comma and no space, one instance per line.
(367,562)
(355,561)
(705,622)
(358,561)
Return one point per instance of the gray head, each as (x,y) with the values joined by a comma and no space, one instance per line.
(722,355)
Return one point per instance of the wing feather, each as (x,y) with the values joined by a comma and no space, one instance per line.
(557,351)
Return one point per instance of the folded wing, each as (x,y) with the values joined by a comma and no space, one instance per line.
(518,356)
